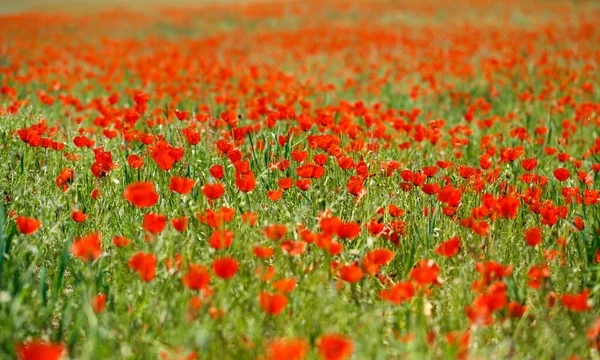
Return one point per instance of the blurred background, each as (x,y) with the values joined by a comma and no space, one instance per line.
(16,6)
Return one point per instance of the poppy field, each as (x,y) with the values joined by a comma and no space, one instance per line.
(301,180)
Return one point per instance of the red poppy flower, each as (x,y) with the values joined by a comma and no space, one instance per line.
(265,273)
(507,207)
(529,164)
(196,278)
(275,231)
(351,273)
(375,227)
(135,161)
(398,293)
(242,167)
(425,272)
(78,215)
(225,267)
(430,189)
(466,171)
(275,195)
(285,285)
(449,247)
(591,197)
(154,223)
(348,230)
(318,172)
(345,162)
(120,241)
(576,302)
(374,259)
(293,248)
(65,178)
(272,304)
(40,350)
(288,349)
(250,218)
(181,185)
(285,183)
(305,171)
(88,247)
(165,155)
(95,194)
(430,171)
(594,332)
(245,183)
(182,115)
(562,174)
(303,184)
(335,347)
(221,239)
(98,303)
(515,309)
(395,211)
(484,305)
(216,171)
(533,236)
(144,264)
(180,224)
(213,191)
(104,163)
(299,156)
(141,194)
(263,252)
(27,225)
(537,274)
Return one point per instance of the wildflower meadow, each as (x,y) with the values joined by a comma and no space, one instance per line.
(301,180)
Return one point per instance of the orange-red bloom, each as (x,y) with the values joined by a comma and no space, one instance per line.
(225,267)
(263,252)
(27,225)
(141,194)
(275,231)
(288,349)
(98,303)
(449,247)
(335,347)
(180,224)
(272,304)
(576,302)
(65,178)
(374,259)
(398,293)
(348,230)
(88,247)
(213,191)
(285,285)
(275,195)
(181,185)
(120,241)
(221,239)
(351,273)
(197,277)
(425,272)
(154,223)
(144,264)
(78,215)
(562,174)
(533,236)
(40,350)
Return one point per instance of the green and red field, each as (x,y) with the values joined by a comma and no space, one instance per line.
(300,180)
